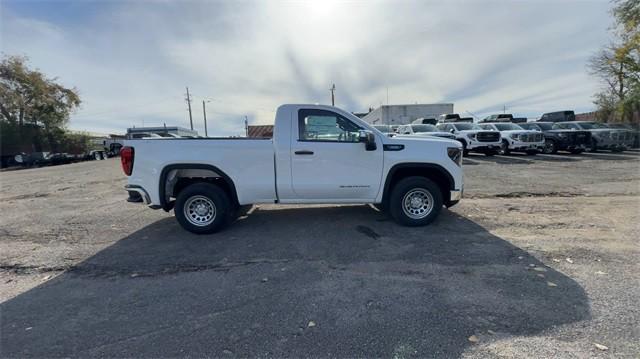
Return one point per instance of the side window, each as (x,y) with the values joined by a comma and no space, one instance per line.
(486,127)
(323,125)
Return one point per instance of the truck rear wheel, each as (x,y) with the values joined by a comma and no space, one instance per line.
(202,208)
(415,201)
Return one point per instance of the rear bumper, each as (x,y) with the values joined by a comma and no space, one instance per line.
(137,194)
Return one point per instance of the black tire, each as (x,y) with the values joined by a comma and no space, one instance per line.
(576,151)
(490,153)
(617,150)
(550,147)
(505,148)
(405,187)
(202,191)
(532,153)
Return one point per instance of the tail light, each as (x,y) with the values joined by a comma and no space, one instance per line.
(126,158)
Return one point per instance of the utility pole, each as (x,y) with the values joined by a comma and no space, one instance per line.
(333,89)
(189,104)
(246,126)
(504,109)
(204,114)
(387,95)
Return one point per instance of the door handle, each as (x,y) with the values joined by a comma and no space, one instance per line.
(304,152)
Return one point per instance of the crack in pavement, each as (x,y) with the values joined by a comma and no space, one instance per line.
(98,271)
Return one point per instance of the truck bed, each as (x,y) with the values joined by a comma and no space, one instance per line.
(249,161)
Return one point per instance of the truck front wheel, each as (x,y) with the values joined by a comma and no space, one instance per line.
(415,201)
(202,208)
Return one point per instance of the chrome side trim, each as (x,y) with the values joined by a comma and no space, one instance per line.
(141,191)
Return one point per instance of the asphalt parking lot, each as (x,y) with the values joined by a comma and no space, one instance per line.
(539,260)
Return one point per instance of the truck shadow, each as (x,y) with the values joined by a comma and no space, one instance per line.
(294,282)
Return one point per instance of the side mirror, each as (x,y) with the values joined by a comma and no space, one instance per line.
(452,130)
(369,140)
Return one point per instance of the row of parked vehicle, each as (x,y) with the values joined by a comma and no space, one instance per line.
(502,133)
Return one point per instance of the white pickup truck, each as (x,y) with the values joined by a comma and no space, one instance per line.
(318,154)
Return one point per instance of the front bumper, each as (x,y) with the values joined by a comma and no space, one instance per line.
(454,197)
(482,146)
(525,146)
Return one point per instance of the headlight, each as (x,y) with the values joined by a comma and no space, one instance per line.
(455,154)
(516,136)
(472,136)
(562,135)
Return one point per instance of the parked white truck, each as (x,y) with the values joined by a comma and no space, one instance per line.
(318,154)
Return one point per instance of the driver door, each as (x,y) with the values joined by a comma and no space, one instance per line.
(328,161)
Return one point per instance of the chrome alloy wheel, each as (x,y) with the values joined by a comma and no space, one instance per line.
(417,203)
(200,211)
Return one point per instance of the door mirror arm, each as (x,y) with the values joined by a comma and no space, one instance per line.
(369,140)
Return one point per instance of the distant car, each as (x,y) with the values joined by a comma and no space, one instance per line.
(602,137)
(424,130)
(519,120)
(501,117)
(466,119)
(386,129)
(473,138)
(135,136)
(516,138)
(634,128)
(560,140)
(448,117)
(424,121)
(558,116)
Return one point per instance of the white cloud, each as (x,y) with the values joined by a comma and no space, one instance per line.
(131,61)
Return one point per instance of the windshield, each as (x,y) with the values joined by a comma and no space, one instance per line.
(587,125)
(424,128)
(546,126)
(531,126)
(466,126)
(507,127)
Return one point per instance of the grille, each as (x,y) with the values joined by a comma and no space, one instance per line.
(578,138)
(531,137)
(488,136)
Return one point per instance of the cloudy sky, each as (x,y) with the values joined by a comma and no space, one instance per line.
(132,60)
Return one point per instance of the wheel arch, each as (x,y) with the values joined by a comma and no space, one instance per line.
(432,171)
(175,177)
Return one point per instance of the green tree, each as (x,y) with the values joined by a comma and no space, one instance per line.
(618,65)
(29,97)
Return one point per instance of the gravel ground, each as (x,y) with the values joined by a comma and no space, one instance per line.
(539,260)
